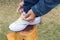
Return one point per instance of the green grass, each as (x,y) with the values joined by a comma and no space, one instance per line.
(49,29)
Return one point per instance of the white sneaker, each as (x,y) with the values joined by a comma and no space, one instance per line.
(21,24)
(18,25)
(36,21)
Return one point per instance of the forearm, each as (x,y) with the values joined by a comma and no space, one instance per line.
(44,6)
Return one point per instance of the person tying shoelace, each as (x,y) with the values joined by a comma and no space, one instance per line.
(31,11)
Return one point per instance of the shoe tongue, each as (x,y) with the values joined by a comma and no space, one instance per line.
(22,21)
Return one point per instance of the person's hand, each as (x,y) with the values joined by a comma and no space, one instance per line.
(20,7)
(30,16)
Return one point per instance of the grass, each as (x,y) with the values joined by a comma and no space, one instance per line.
(49,29)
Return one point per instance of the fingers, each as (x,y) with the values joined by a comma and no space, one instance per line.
(27,15)
(21,10)
(30,16)
(20,7)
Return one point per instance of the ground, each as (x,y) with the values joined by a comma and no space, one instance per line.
(49,29)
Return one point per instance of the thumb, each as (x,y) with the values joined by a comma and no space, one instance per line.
(27,15)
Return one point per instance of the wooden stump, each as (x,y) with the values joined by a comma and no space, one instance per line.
(30,33)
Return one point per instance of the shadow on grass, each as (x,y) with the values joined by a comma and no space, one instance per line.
(3,37)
